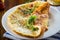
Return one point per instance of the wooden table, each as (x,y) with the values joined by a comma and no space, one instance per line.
(8,4)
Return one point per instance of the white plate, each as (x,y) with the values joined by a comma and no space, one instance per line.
(54,23)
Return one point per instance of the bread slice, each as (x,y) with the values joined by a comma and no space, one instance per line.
(18,19)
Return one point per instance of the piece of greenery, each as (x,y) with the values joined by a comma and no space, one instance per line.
(30,21)
(34,29)
(28,11)
(31,27)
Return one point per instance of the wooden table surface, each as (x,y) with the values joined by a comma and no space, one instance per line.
(8,4)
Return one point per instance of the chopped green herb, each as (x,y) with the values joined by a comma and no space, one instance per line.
(32,9)
(32,19)
(34,29)
(28,11)
(31,27)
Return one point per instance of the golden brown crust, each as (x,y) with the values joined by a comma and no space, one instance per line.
(45,6)
(29,36)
